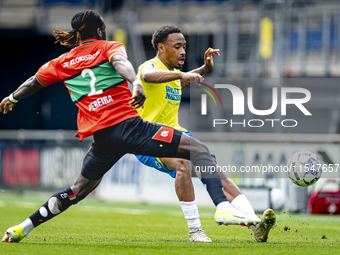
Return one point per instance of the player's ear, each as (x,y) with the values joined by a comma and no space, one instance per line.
(99,33)
(160,47)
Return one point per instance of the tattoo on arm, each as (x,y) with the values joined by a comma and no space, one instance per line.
(199,70)
(184,84)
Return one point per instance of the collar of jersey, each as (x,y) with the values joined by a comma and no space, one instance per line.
(158,60)
(87,41)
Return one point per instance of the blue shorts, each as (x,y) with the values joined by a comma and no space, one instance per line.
(157,163)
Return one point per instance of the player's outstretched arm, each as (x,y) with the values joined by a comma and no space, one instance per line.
(29,87)
(125,69)
(162,76)
(208,64)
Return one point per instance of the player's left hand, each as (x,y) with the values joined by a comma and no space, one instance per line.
(139,98)
(7,105)
(208,57)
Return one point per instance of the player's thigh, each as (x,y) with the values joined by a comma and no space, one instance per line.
(177,164)
(98,161)
(152,139)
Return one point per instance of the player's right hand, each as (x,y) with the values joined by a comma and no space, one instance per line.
(193,77)
(7,105)
(139,97)
(208,57)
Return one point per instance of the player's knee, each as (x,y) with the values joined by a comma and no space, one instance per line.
(197,147)
(183,166)
(83,186)
(202,148)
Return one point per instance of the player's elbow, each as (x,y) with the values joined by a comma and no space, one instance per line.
(146,77)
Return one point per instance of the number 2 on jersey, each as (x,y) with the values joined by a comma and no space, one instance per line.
(93,81)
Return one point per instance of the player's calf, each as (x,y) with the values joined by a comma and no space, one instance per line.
(58,203)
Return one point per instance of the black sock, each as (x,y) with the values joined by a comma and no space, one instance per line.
(210,176)
(50,208)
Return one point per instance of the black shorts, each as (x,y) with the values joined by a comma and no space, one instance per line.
(130,136)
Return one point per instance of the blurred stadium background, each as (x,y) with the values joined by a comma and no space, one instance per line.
(280,43)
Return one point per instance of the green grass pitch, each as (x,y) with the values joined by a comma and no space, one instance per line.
(96,227)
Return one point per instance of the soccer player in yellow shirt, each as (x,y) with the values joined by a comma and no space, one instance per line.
(162,82)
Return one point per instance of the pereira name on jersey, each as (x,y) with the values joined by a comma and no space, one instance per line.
(99,92)
(100,102)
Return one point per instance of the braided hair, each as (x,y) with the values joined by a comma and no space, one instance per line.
(84,25)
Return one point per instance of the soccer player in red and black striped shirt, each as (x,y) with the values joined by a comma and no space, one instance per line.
(96,74)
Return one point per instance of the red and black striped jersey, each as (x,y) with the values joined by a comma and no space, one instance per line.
(99,92)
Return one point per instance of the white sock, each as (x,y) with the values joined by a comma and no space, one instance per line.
(190,211)
(224,206)
(242,204)
(27,225)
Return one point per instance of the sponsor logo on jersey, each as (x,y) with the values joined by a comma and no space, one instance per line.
(158,164)
(99,102)
(81,59)
(172,94)
(45,65)
(164,134)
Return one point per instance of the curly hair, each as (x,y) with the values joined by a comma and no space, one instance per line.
(161,34)
(84,24)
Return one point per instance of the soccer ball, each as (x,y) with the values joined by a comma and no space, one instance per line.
(304,168)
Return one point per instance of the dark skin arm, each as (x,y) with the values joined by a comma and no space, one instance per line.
(125,69)
(162,76)
(29,87)
(208,64)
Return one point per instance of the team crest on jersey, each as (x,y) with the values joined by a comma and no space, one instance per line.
(164,134)
(149,65)
(158,164)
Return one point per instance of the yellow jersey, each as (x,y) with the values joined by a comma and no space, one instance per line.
(162,99)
